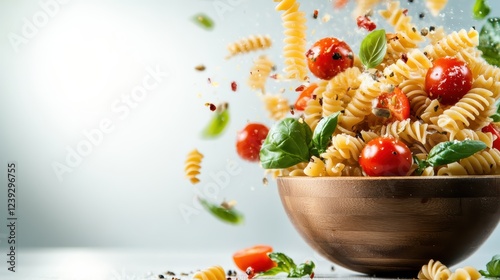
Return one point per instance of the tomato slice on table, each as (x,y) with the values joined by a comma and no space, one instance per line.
(329,56)
(496,134)
(448,80)
(386,156)
(305,95)
(394,105)
(255,257)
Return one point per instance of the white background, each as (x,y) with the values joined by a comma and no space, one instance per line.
(65,65)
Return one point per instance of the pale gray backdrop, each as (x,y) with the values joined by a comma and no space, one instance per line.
(68,68)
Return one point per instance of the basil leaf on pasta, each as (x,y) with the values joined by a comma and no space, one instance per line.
(373,49)
(452,151)
(286,144)
(323,132)
(489,41)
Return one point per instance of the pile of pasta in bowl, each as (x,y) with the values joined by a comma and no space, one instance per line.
(414,101)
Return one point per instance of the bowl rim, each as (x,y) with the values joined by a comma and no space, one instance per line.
(389,178)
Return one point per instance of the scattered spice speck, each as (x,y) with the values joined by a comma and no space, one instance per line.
(211,106)
(234,86)
(200,67)
(315,14)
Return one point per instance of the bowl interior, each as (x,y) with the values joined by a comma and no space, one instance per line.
(392,225)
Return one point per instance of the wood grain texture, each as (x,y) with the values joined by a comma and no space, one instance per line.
(392,225)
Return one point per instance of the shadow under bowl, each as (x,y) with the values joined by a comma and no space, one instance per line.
(392,226)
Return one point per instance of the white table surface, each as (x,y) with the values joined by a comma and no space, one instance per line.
(135,264)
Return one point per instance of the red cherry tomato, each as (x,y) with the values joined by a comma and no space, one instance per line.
(254,257)
(496,134)
(366,23)
(448,80)
(249,140)
(393,105)
(305,95)
(329,56)
(385,156)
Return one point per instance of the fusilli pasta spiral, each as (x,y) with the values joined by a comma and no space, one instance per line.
(211,273)
(192,165)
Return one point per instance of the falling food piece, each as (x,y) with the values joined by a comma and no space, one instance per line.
(204,21)
(192,165)
(200,67)
(230,216)
(218,122)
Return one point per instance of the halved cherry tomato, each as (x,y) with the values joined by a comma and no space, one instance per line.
(448,80)
(329,56)
(394,105)
(254,257)
(305,95)
(496,134)
(249,140)
(385,156)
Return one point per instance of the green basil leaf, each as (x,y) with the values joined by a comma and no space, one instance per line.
(480,9)
(452,151)
(493,266)
(284,264)
(373,49)
(227,215)
(218,123)
(303,269)
(204,21)
(489,41)
(496,117)
(286,144)
(323,132)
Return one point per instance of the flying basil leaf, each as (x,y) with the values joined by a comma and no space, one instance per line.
(286,144)
(489,41)
(452,151)
(373,49)
(204,21)
(323,132)
(285,264)
(218,123)
(227,215)
(496,117)
(492,268)
(480,9)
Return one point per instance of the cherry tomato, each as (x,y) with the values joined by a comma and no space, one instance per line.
(329,56)
(254,257)
(305,95)
(496,134)
(386,156)
(366,23)
(249,140)
(393,105)
(448,80)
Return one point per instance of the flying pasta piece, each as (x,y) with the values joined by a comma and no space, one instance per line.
(259,73)
(276,105)
(249,44)
(192,165)
(212,273)
(436,6)
(294,22)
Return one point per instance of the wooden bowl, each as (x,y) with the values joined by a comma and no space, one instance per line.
(392,225)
